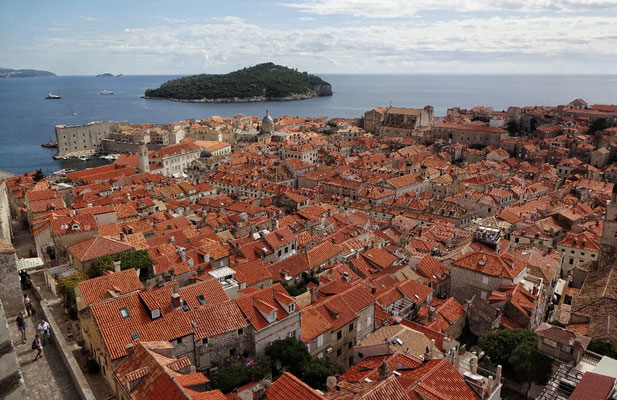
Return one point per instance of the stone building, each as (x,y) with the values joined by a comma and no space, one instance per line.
(222,335)
(478,274)
(272,315)
(85,139)
(473,134)
(398,121)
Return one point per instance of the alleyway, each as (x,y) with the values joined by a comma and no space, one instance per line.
(47,378)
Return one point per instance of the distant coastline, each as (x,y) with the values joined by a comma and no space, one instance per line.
(23,73)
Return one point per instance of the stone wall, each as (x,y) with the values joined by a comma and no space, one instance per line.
(5,214)
(223,350)
(12,386)
(9,280)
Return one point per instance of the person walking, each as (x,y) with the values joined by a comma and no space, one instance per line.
(43,328)
(37,345)
(28,304)
(21,325)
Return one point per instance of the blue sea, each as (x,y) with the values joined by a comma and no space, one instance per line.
(27,119)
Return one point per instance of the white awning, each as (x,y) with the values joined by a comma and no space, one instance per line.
(221,273)
(29,264)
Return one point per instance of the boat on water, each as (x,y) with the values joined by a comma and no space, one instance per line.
(107,92)
(50,143)
(52,96)
(109,157)
(84,158)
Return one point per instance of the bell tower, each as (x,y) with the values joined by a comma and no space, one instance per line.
(144,163)
(608,245)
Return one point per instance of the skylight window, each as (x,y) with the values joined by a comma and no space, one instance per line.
(201,298)
(124,313)
(134,335)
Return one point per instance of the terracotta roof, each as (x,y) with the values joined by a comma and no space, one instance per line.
(215,319)
(117,331)
(496,265)
(119,283)
(250,302)
(97,247)
(593,387)
(289,387)
(210,289)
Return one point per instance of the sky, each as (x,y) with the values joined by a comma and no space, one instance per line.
(71,37)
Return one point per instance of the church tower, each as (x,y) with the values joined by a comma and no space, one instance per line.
(144,163)
(608,245)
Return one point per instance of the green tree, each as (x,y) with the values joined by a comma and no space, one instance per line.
(603,347)
(229,378)
(66,286)
(598,125)
(317,371)
(513,127)
(38,175)
(516,351)
(100,265)
(290,354)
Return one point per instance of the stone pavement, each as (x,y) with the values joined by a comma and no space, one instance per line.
(46,378)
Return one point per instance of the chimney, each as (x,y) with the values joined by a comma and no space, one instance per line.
(331,383)
(122,236)
(182,254)
(276,223)
(498,372)
(373,289)
(130,349)
(474,365)
(432,352)
(313,294)
(457,360)
(431,314)
(172,239)
(175,300)
(117,266)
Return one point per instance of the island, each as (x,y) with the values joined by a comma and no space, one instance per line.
(261,82)
(23,73)
(105,75)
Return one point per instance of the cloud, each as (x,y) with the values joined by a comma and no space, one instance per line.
(89,19)
(462,45)
(409,8)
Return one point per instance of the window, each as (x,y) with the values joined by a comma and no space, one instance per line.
(179,341)
(350,327)
(320,340)
(368,321)
(339,335)
(134,335)
(350,345)
(291,307)
(550,343)
(485,280)
(339,352)
(292,334)
(124,313)
(483,295)
(240,332)
(204,340)
(201,298)
(232,352)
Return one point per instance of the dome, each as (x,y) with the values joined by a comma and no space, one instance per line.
(267,123)
(267,119)
(205,154)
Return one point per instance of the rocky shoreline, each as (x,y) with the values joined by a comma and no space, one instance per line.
(254,99)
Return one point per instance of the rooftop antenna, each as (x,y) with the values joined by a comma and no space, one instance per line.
(390,103)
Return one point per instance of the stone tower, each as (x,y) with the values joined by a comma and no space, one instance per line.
(608,245)
(144,163)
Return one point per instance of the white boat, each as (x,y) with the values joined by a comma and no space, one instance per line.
(107,92)
(52,96)
(83,158)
